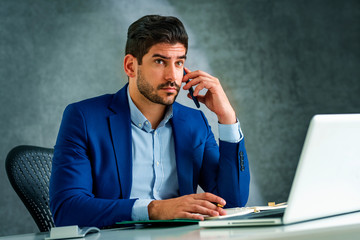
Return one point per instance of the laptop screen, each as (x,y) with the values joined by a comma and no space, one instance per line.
(327,178)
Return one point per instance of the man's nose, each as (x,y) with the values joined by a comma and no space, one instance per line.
(170,73)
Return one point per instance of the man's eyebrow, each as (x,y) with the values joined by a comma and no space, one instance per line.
(164,57)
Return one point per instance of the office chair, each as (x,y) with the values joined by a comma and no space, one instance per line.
(28,169)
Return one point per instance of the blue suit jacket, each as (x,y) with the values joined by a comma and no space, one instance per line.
(91,175)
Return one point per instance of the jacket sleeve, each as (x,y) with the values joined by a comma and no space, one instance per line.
(72,201)
(225,170)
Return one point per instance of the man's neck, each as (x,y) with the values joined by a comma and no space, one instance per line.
(152,111)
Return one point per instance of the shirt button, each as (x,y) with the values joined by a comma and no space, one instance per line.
(139,124)
(157,163)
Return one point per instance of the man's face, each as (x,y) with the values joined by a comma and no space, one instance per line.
(160,74)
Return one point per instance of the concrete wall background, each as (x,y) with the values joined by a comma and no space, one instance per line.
(280,62)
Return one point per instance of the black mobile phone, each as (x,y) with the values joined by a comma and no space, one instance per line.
(191,91)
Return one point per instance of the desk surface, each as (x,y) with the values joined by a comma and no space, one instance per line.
(340,227)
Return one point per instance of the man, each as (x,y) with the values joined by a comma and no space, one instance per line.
(137,154)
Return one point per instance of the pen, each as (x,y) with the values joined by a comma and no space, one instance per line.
(191,90)
(219,205)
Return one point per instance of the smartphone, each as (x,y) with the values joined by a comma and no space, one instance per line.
(191,91)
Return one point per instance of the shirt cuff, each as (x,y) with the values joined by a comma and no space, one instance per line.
(230,132)
(140,210)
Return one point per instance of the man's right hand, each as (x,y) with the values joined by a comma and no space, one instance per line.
(188,206)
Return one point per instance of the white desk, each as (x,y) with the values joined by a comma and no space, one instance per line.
(340,227)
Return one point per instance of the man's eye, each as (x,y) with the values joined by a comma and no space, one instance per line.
(159,61)
(179,63)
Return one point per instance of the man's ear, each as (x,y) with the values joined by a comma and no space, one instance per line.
(130,64)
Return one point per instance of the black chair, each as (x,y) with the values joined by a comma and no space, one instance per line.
(28,169)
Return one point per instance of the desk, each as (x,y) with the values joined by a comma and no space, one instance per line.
(340,227)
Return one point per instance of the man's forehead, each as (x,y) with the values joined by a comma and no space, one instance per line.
(167,50)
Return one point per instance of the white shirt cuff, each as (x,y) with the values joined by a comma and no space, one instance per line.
(230,132)
(140,210)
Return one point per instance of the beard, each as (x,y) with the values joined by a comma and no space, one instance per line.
(148,91)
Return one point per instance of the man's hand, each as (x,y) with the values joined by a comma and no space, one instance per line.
(215,98)
(188,206)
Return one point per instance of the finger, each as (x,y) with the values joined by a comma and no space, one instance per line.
(200,98)
(186,76)
(187,70)
(197,73)
(194,203)
(191,216)
(209,197)
(206,204)
(206,197)
(189,95)
(215,207)
(198,84)
(197,208)
(194,81)
(216,210)
(198,88)
(221,211)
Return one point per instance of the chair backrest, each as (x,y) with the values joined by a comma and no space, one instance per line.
(28,169)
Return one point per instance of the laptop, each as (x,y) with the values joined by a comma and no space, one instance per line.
(327,177)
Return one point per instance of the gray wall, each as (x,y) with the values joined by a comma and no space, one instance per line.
(280,62)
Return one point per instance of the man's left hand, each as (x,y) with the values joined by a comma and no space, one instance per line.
(215,98)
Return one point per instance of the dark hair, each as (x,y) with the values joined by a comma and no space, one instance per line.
(153,29)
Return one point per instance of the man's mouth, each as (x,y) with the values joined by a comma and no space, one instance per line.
(169,87)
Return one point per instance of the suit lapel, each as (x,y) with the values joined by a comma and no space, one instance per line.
(120,127)
(182,152)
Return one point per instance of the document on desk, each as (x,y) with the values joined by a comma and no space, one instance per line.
(232,212)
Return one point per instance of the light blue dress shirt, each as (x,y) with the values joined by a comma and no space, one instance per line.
(154,175)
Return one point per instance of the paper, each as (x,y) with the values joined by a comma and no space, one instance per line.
(232,212)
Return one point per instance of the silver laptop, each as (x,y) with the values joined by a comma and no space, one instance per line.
(327,178)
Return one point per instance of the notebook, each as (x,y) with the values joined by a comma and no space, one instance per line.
(327,177)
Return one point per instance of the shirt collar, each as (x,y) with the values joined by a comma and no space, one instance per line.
(140,121)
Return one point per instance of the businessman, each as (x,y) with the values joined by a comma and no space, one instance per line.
(137,154)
